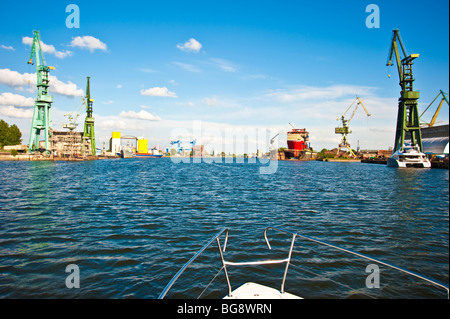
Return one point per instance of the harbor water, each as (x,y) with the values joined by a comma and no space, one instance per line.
(129,225)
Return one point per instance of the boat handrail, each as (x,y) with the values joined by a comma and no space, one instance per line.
(432,281)
(178,274)
(286,260)
(225,263)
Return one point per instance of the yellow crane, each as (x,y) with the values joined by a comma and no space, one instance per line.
(345,129)
(436,113)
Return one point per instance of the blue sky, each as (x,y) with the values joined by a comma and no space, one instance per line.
(251,65)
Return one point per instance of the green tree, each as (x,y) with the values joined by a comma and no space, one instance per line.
(14,135)
(322,152)
(9,135)
(3,133)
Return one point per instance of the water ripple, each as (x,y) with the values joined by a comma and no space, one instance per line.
(131,224)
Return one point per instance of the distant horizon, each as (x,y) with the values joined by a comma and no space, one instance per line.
(230,75)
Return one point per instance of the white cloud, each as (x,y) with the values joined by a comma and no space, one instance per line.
(303,93)
(158,91)
(17,80)
(191,45)
(7,47)
(12,111)
(143,115)
(211,101)
(16,100)
(187,67)
(46,48)
(146,70)
(224,65)
(88,42)
(119,86)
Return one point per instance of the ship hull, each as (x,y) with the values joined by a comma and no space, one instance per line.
(148,155)
(296,145)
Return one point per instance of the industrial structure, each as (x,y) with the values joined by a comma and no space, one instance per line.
(406,154)
(184,148)
(345,129)
(436,113)
(42,119)
(66,145)
(408,115)
(89,133)
(135,146)
(72,144)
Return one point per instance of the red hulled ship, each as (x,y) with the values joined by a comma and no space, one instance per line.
(298,139)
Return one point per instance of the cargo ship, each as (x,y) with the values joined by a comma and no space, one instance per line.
(143,151)
(153,153)
(298,139)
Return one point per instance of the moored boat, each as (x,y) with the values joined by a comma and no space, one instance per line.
(409,156)
(153,153)
(298,139)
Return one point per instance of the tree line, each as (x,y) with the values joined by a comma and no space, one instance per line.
(9,135)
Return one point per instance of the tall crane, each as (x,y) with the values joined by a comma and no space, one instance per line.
(436,113)
(408,115)
(345,129)
(89,132)
(42,119)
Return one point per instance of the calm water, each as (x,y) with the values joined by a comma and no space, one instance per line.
(130,224)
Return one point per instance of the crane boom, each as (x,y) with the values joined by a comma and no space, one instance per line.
(436,113)
(357,104)
(396,39)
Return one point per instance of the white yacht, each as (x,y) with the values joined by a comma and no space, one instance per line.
(409,156)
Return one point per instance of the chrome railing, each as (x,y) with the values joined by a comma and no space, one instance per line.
(229,263)
(178,274)
(286,260)
(432,281)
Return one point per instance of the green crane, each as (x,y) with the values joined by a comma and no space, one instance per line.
(408,114)
(89,121)
(345,129)
(42,120)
